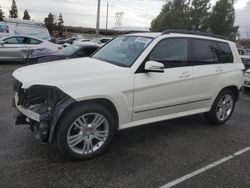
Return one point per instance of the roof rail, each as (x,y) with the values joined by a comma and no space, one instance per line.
(193,33)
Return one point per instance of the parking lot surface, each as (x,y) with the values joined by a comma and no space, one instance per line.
(146,156)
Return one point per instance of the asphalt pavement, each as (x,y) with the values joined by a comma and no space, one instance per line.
(146,156)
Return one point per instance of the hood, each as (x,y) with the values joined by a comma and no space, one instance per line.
(70,71)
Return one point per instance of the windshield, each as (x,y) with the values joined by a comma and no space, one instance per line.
(123,51)
(68,50)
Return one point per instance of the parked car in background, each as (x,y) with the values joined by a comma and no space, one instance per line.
(35,54)
(246,60)
(81,41)
(72,51)
(65,40)
(247,79)
(133,80)
(16,48)
(242,51)
(10,26)
(101,41)
(247,49)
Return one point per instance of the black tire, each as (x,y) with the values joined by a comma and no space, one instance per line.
(211,116)
(70,116)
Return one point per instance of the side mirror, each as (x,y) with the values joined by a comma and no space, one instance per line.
(153,66)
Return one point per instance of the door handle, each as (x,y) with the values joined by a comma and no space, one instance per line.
(219,69)
(185,74)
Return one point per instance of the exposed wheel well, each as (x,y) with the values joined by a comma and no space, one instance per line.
(104,102)
(233,89)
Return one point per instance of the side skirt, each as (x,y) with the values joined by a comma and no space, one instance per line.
(162,118)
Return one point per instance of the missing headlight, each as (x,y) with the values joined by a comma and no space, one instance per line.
(48,103)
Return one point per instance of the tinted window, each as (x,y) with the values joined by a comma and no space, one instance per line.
(34,41)
(225,55)
(171,52)
(203,52)
(14,40)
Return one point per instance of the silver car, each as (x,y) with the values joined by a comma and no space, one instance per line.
(16,48)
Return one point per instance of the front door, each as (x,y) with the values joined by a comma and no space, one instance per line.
(159,94)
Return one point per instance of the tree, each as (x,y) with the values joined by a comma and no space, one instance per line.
(174,15)
(199,15)
(49,22)
(1,14)
(221,20)
(60,25)
(13,10)
(26,15)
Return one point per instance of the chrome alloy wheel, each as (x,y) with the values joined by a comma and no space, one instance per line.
(87,133)
(225,107)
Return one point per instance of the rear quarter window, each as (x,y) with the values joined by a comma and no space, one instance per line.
(202,52)
(225,54)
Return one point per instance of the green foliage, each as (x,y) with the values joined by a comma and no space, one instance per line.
(222,19)
(49,22)
(26,15)
(1,14)
(245,43)
(197,15)
(13,11)
(60,25)
(174,15)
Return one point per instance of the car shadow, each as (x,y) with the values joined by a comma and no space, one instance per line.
(143,135)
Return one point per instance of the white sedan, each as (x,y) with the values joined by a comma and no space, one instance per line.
(15,48)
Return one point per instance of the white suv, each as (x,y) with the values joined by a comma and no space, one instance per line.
(135,79)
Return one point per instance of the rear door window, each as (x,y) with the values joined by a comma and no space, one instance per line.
(203,52)
(35,41)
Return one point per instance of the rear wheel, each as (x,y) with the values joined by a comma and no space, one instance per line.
(85,131)
(222,108)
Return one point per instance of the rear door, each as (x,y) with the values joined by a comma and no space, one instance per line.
(209,63)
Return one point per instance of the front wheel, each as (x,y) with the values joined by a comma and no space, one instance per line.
(222,108)
(85,131)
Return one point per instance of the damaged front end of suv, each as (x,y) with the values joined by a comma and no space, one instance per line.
(40,106)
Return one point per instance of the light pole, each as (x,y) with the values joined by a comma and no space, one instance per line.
(98,18)
(107,17)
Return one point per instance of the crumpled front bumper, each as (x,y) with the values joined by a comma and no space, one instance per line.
(41,120)
(25,112)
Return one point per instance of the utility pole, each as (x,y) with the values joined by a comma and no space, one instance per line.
(98,18)
(107,18)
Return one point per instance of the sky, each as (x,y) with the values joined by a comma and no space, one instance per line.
(137,13)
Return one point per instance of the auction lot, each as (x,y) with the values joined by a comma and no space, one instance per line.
(147,156)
